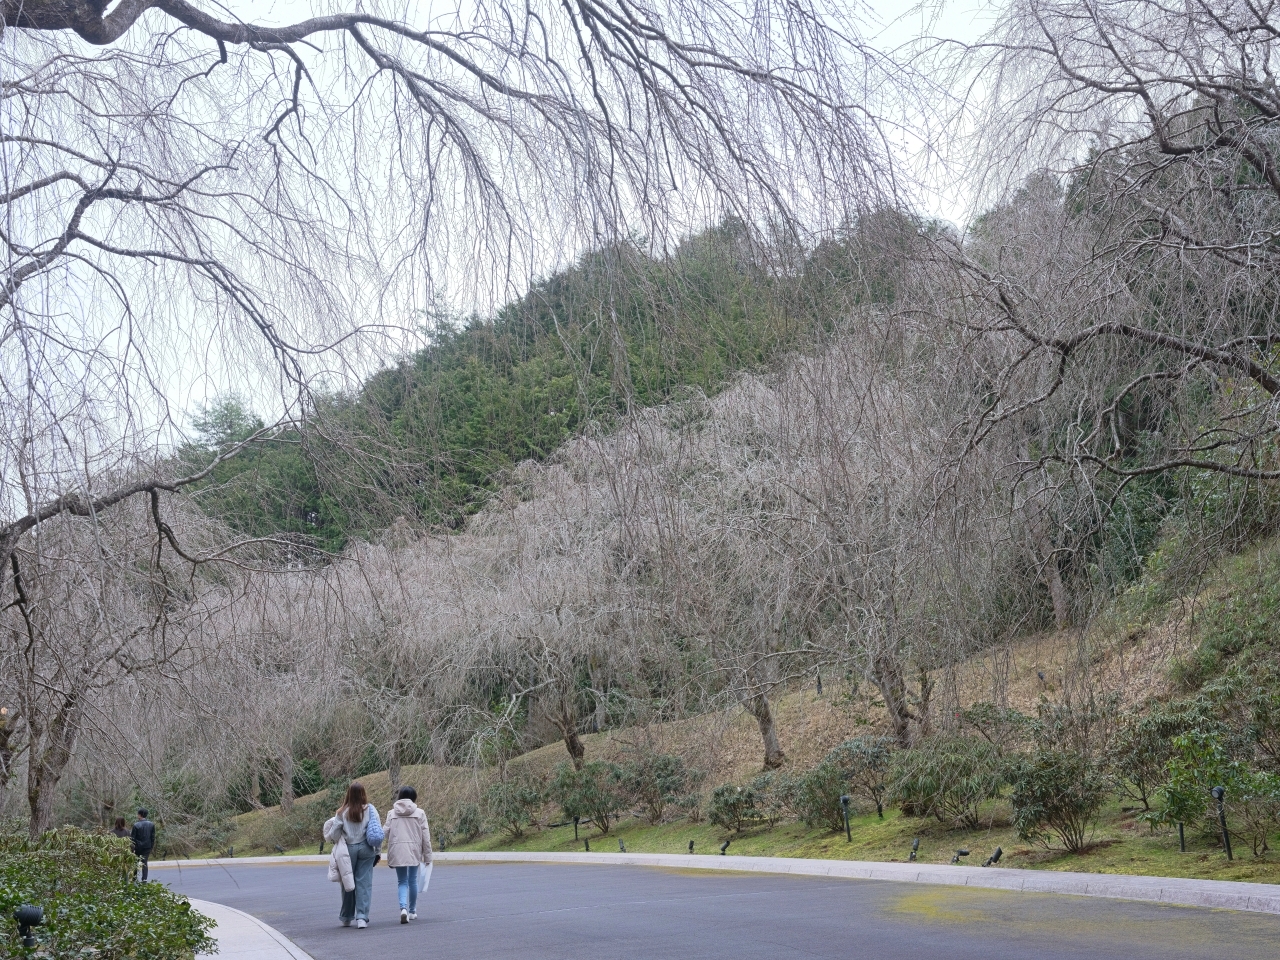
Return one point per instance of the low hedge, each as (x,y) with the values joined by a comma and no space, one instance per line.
(92,906)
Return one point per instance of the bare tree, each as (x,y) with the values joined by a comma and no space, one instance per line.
(1125,280)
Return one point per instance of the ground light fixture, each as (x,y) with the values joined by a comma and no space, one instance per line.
(992,860)
(1219,794)
(622,846)
(586,842)
(691,846)
(915,849)
(724,846)
(959,853)
(29,917)
(844,806)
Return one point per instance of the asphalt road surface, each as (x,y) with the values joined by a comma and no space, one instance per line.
(585,912)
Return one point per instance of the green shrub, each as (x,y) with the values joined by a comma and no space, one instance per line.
(817,797)
(1056,793)
(733,807)
(1201,762)
(92,907)
(1003,727)
(595,792)
(656,780)
(775,796)
(947,777)
(510,805)
(470,823)
(1140,752)
(690,807)
(863,763)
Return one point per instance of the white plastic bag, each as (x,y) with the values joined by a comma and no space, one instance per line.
(424,876)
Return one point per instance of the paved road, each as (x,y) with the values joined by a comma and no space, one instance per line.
(563,912)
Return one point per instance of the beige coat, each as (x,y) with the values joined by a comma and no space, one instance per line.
(408,835)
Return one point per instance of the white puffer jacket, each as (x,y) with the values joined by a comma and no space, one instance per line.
(340,859)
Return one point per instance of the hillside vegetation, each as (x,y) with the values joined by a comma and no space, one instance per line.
(1148,657)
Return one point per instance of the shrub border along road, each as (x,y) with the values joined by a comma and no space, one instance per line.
(1173,891)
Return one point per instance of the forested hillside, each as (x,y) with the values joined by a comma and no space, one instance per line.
(432,436)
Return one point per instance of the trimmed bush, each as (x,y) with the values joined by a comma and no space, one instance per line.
(92,907)
(655,781)
(863,763)
(470,823)
(775,796)
(1140,753)
(733,807)
(1057,793)
(947,777)
(595,792)
(817,797)
(510,805)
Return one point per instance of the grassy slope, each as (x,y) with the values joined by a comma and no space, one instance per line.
(1130,652)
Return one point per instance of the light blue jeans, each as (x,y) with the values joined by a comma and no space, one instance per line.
(407,885)
(355,904)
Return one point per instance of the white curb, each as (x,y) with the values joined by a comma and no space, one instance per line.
(241,936)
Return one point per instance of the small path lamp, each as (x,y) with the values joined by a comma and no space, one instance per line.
(29,917)
(844,807)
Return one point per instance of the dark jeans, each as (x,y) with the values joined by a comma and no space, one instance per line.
(143,859)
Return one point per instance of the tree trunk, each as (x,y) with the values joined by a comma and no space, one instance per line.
(1058,593)
(49,752)
(758,706)
(8,748)
(924,714)
(573,743)
(886,674)
(393,765)
(286,780)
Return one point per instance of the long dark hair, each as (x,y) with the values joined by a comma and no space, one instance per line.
(355,801)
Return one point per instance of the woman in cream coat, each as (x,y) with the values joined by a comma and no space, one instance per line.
(408,848)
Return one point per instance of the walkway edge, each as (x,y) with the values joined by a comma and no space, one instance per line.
(1174,891)
(245,937)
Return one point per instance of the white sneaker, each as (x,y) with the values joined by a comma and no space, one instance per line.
(414,915)
(360,924)
(404,915)
(346,923)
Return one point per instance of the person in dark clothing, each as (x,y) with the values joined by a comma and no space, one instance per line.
(143,836)
(120,830)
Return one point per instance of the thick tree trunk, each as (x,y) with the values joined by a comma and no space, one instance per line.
(286,780)
(49,751)
(759,708)
(886,674)
(573,743)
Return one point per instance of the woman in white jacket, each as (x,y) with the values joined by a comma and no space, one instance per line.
(356,824)
(408,848)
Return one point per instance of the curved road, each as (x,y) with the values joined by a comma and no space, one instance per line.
(571,912)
